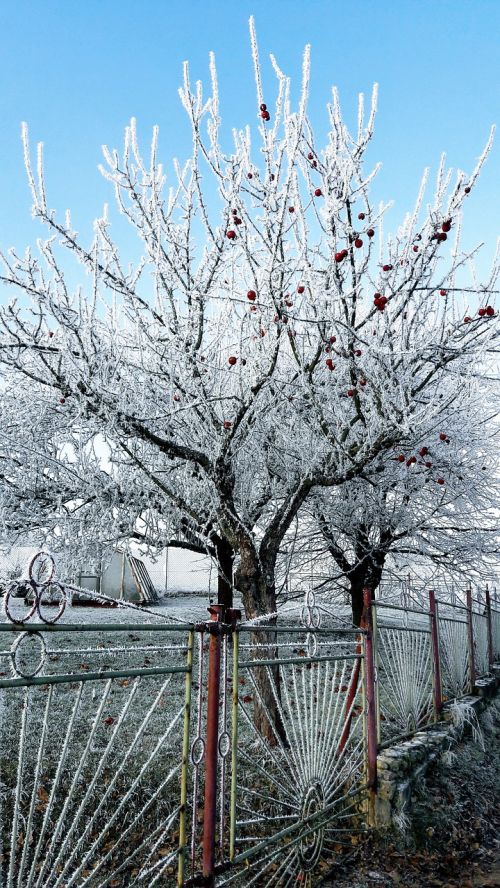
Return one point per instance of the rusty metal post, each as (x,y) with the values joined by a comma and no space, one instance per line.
(436,660)
(212,742)
(470,636)
(370,703)
(489,629)
(351,696)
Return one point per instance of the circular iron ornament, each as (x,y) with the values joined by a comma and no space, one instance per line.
(311,843)
(42,569)
(60,605)
(12,594)
(311,644)
(197,750)
(224,744)
(20,649)
(311,616)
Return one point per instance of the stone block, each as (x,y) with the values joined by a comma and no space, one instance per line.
(386,789)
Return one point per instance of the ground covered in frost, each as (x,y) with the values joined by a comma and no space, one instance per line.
(453,837)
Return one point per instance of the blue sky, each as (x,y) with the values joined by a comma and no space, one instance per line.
(77,71)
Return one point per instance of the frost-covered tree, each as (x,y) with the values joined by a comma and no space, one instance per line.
(64,488)
(436,504)
(270,343)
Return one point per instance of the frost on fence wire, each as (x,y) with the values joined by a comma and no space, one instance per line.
(480,634)
(92,721)
(454,650)
(495,631)
(404,671)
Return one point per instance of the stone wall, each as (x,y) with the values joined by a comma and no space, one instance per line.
(400,767)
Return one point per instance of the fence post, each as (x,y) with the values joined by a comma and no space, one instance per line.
(376,661)
(470,636)
(436,662)
(489,628)
(211,745)
(370,704)
(185,759)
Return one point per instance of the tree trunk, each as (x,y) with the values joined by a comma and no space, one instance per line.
(259,599)
(365,575)
(225,560)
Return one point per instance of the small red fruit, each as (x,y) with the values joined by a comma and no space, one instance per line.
(387,268)
(227,424)
(467,320)
(490,311)
(358,243)
(467,189)
(232,360)
(401,458)
(351,393)
(358,352)
(423,451)
(291,209)
(252,295)
(362,381)
(442,236)
(339,257)
(249,175)
(443,436)
(318,192)
(262,332)
(443,292)
(415,249)
(263,107)
(300,288)
(265,115)
(231,234)
(237,220)
(253,308)
(62,400)
(428,465)
(370,232)
(446,226)
(330,364)
(109,720)
(333,339)
(310,156)
(482,312)
(176,398)
(361,216)
(50,334)
(440,480)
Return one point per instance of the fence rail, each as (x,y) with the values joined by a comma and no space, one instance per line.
(149,751)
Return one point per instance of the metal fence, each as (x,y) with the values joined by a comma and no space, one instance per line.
(427,656)
(146,751)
